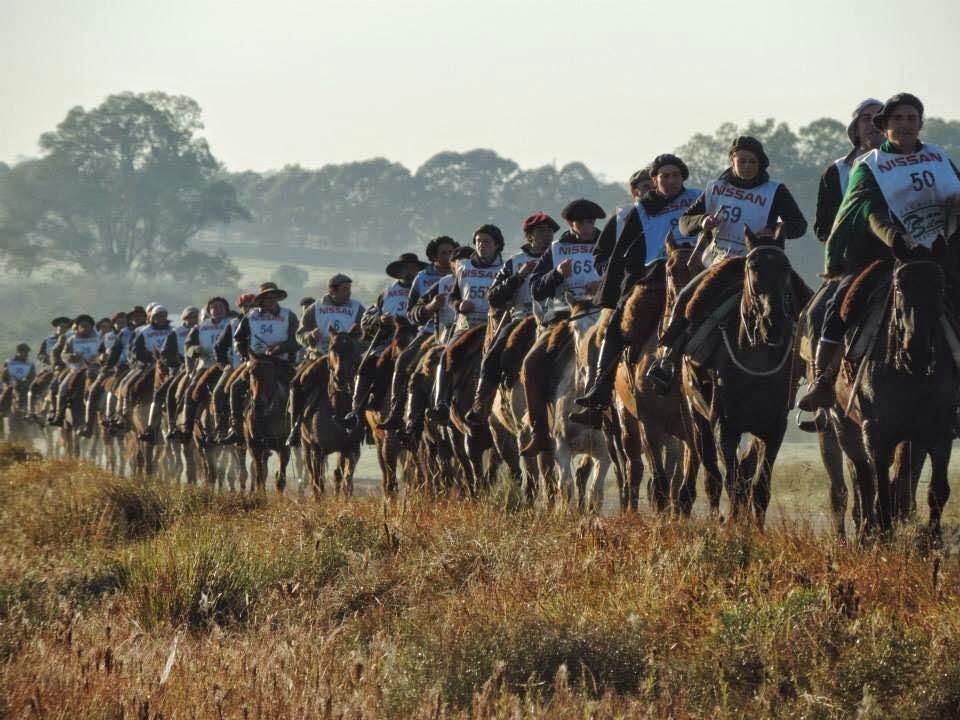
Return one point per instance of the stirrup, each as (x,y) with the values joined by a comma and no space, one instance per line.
(661,377)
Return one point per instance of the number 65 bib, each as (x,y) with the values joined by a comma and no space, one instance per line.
(584,273)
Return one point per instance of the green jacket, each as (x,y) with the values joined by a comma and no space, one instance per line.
(864,228)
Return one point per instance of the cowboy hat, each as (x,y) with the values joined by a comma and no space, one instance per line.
(61,320)
(393,269)
(269,290)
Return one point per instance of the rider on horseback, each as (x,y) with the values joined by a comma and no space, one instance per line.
(439,252)
(229,360)
(173,353)
(18,372)
(639,244)
(472,280)
(117,362)
(79,352)
(899,197)
(200,354)
(510,292)
(567,269)
(266,331)
(150,344)
(744,195)
(391,305)
(338,311)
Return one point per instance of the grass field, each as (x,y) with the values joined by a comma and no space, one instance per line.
(125,599)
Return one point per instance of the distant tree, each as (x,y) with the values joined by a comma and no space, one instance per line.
(290,277)
(121,188)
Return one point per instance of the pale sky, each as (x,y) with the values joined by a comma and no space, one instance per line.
(607,83)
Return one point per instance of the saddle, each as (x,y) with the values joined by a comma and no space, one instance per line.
(864,309)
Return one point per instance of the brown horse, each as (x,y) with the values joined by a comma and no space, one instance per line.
(910,366)
(323,432)
(652,426)
(748,384)
(265,421)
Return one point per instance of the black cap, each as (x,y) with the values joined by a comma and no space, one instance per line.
(901,98)
(751,144)
(669,159)
(582,209)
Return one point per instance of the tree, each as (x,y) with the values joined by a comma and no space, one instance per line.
(290,277)
(121,188)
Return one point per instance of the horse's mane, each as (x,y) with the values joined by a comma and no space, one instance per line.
(644,307)
(518,343)
(717,284)
(464,345)
(560,334)
(858,296)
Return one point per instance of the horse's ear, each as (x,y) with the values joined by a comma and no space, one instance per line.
(778,235)
(669,243)
(749,239)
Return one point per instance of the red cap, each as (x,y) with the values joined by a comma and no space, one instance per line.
(538,218)
(244,299)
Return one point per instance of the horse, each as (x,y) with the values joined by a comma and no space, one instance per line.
(750,383)
(655,427)
(265,421)
(911,365)
(322,431)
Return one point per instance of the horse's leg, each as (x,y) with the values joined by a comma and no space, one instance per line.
(737,489)
(284,454)
(633,460)
(902,481)
(761,485)
(658,493)
(706,448)
(582,474)
(880,451)
(686,494)
(832,457)
(939,491)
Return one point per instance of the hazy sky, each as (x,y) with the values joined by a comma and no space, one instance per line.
(607,83)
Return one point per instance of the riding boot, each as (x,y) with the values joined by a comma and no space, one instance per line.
(91,409)
(440,412)
(189,413)
(171,407)
(398,399)
(361,394)
(597,396)
(153,417)
(418,406)
(662,374)
(234,435)
(826,364)
(537,412)
(477,415)
(59,412)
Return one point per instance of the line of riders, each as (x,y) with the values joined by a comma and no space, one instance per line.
(889,198)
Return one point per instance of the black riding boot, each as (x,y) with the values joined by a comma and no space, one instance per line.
(91,408)
(60,406)
(398,400)
(440,412)
(149,433)
(189,414)
(361,393)
(234,434)
(597,397)
(663,373)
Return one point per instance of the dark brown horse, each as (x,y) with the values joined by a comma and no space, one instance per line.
(749,383)
(323,432)
(906,391)
(658,428)
(265,421)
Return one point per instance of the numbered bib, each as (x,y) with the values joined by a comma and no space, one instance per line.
(474,283)
(583,272)
(916,187)
(154,338)
(338,317)
(738,207)
(523,298)
(19,369)
(267,329)
(86,348)
(208,332)
(395,299)
(657,227)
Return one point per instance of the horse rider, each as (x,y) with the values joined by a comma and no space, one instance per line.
(864,136)
(565,270)
(640,183)
(743,196)
(200,354)
(510,293)
(61,326)
(472,280)
(390,306)
(149,341)
(437,306)
(304,351)
(266,331)
(117,362)
(439,254)
(108,329)
(639,245)
(899,197)
(18,372)
(228,358)
(337,310)
(79,353)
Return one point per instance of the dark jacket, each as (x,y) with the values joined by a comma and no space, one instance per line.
(287,348)
(829,196)
(507,282)
(544,280)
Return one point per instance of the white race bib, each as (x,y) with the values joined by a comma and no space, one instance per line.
(395,300)
(267,329)
(738,207)
(584,273)
(474,283)
(916,187)
(19,369)
(338,317)
(657,227)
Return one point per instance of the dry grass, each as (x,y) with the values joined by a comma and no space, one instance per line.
(120,599)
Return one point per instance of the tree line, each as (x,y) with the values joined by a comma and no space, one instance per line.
(131,187)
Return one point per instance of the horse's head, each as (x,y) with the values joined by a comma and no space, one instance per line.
(764,311)
(264,388)
(918,303)
(343,356)
(679,273)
